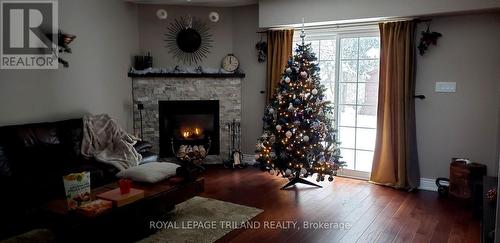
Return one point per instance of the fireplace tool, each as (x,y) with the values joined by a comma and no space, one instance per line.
(234,147)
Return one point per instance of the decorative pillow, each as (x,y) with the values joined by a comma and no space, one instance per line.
(151,172)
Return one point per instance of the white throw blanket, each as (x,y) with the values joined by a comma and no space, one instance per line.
(107,142)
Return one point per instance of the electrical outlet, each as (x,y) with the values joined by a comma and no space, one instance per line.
(446,87)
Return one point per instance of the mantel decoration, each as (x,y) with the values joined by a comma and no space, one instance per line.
(428,38)
(188,39)
(299,139)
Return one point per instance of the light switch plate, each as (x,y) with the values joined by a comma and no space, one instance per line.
(446,87)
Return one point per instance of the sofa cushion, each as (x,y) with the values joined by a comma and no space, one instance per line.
(151,172)
(51,159)
(70,133)
(35,134)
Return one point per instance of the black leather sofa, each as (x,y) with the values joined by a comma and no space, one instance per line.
(33,159)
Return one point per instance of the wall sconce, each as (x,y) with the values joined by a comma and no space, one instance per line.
(162,14)
(213,16)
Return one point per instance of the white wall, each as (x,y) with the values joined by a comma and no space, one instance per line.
(465,123)
(95,82)
(245,25)
(281,12)
(152,33)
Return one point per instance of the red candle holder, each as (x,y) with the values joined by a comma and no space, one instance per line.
(125,185)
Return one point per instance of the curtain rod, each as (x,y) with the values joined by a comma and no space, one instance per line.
(347,25)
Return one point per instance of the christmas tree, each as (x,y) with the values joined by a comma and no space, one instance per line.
(299,138)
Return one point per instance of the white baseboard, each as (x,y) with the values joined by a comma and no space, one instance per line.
(428,184)
(360,175)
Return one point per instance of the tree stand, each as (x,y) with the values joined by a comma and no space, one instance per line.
(296,180)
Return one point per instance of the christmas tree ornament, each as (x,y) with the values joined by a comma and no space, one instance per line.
(303,171)
(290,107)
(306,138)
(288,134)
(314,91)
(303,74)
(272,139)
(271,171)
(288,70)
(271,110)
(272,155)
(288,172)
(287,79)
(278,128)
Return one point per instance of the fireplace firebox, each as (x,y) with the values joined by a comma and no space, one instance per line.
(188,122)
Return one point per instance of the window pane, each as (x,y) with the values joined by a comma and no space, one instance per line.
(348,157)
(369,47)
(364,161)
(349,48)
(367,93)
(367,116)
(347,115)
(327,50)
(330,91)
(327,71)
(347,94)
(346,137)
(368,70)
(365,138)
(348,71)
(315,47)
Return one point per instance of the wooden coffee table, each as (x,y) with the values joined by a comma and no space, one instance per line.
(127,223)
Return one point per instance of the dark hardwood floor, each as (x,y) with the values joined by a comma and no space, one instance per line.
(375,213)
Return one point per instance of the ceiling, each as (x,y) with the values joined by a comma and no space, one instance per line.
(208,3)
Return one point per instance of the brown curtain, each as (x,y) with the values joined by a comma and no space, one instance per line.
(279,50)
(395,161)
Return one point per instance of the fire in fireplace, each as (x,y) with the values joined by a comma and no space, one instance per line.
(192,133)
(188,123)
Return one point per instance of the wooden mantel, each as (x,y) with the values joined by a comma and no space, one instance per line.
(187,75)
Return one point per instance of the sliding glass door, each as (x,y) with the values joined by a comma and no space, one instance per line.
(349,68)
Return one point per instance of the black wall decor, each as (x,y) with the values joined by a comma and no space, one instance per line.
(63,41)
(188,39)
(428,38)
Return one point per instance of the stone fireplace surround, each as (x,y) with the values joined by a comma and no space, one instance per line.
(151,89)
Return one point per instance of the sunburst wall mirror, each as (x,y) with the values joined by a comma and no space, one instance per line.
(188,40)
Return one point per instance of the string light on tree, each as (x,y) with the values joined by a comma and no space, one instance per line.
(299,139)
